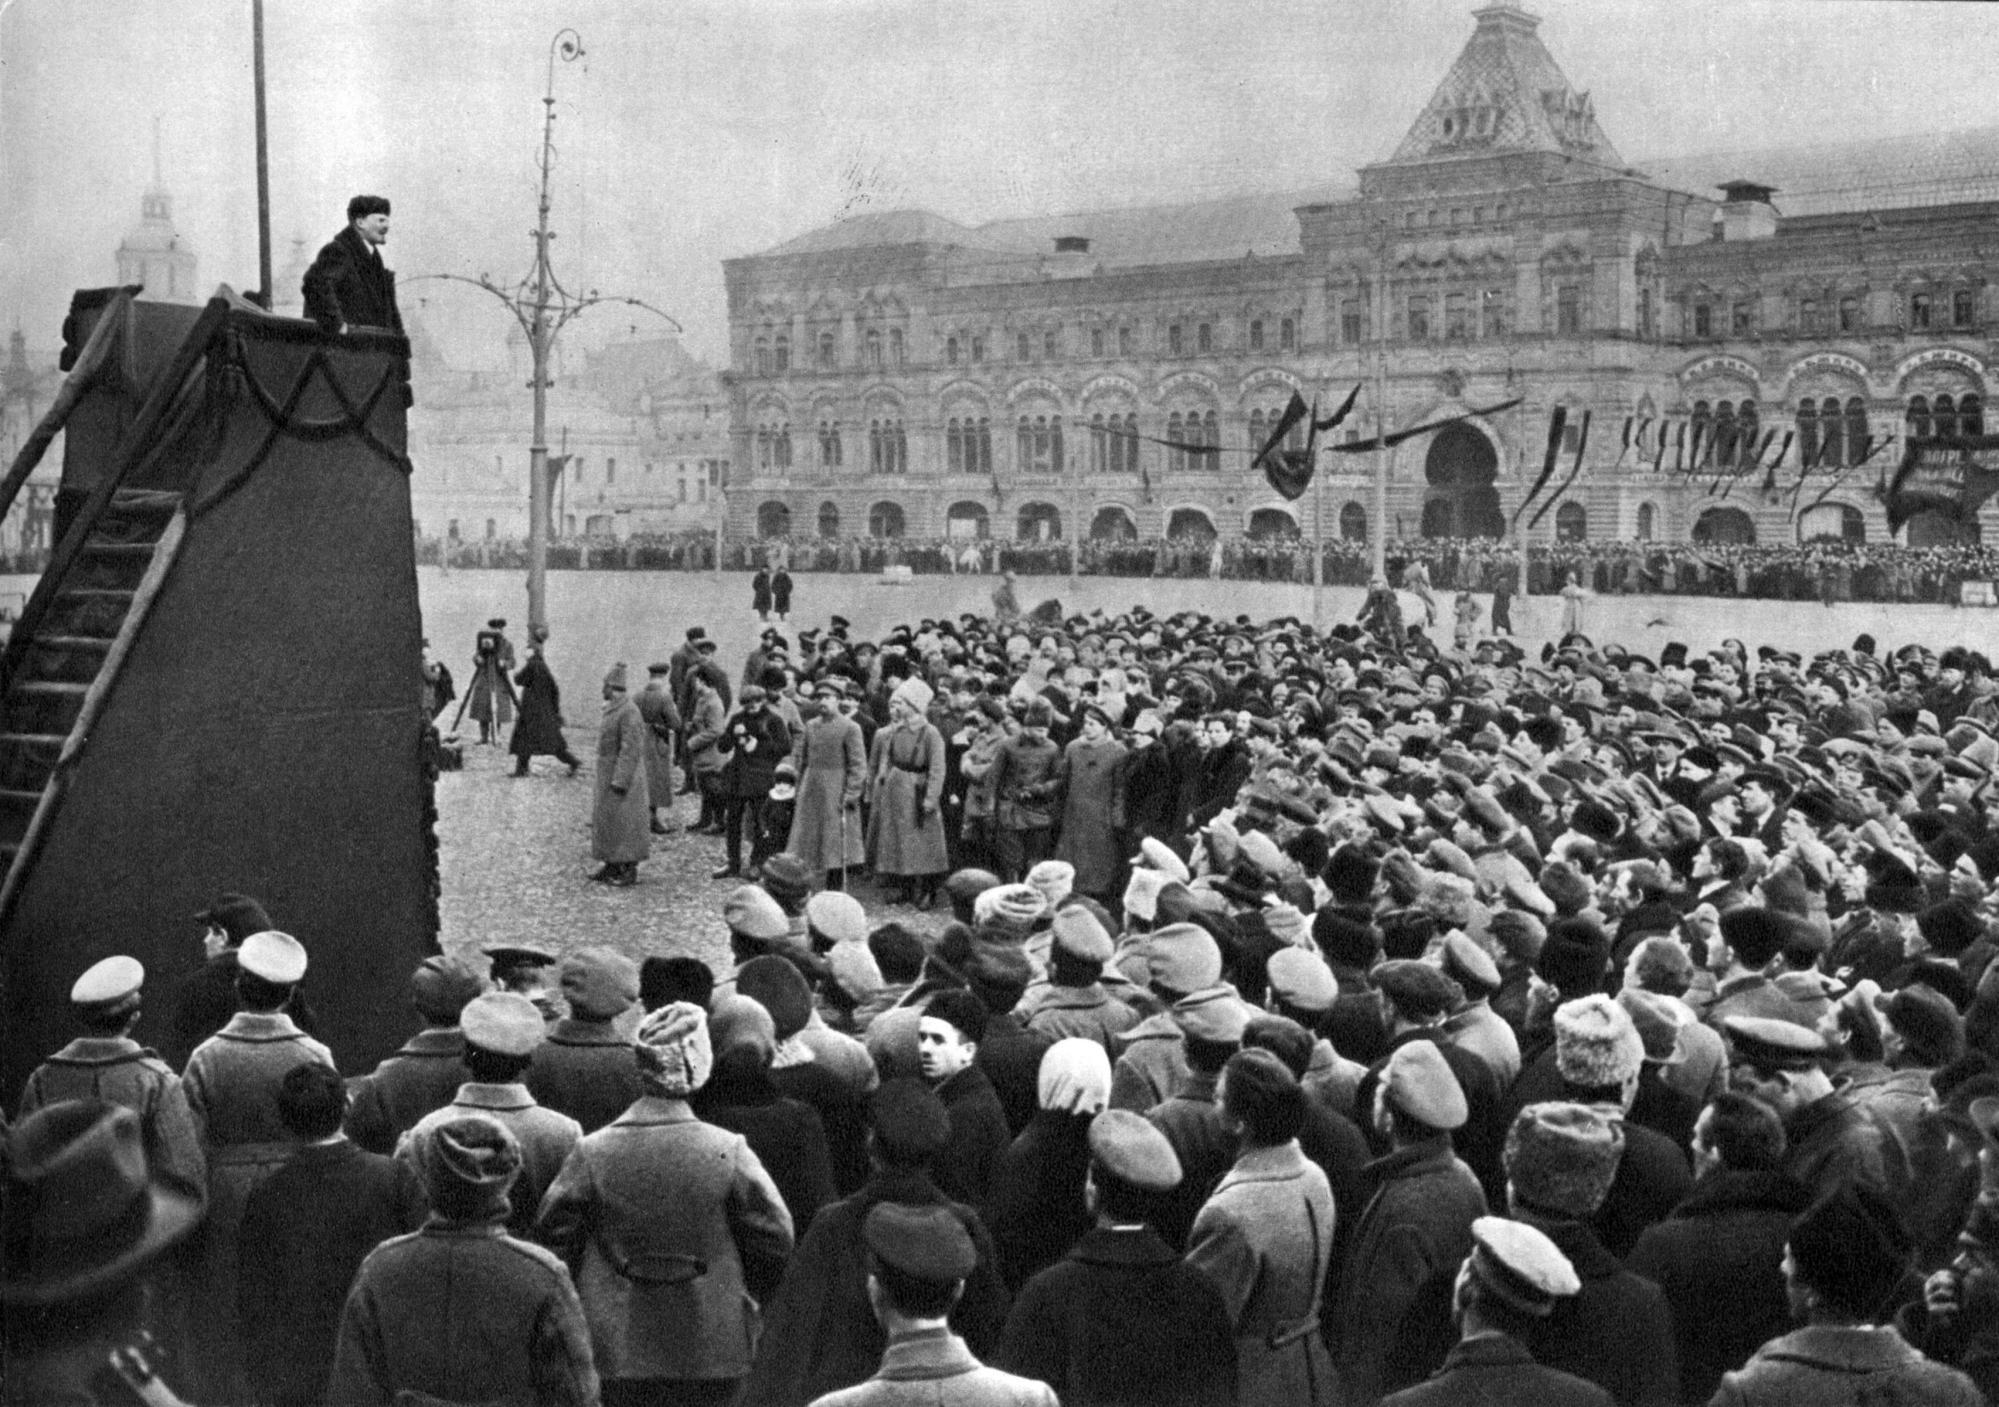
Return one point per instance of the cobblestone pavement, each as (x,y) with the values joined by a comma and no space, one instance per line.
(515,854)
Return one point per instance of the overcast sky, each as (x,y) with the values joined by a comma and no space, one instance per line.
(696,130)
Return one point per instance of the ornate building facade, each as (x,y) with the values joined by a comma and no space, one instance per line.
(903,374)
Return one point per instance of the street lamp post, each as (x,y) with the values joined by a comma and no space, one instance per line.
(543,307)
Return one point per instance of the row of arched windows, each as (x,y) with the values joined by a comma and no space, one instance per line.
(1114,443)
(1833,435)
(774,447)
(1039,444)
(1196,441)
(888,447)
(968,445)
(1945,417)
(1727,434)
(771,355)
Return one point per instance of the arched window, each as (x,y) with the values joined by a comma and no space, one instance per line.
(954,447)
(1038,522)
(1724,435)
(760,358)
(773,520)
(895,346)
(1648,522)
(1124,447)
(1808,432)
(1700,434)
(781,354)
(1256,334)
(1353,523)
(950,351)
(1943,417)
(1176,457)
(829,519)
(1919,418)
(979,446)
(1571,522)
(1858,439)
(829,444)
(1849,313)
(885,520)
(966,520)
(1970,416)
(1287,334)
(1832,433)
(1257,432)
(1746,426)
(826,348)
(873,343)
(1272,522)
(1023,347)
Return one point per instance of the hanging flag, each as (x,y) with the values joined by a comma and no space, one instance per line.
(1289,471)
(1346,406)
(1556,421)
(1680,450)
(1659,459)
(1951,477)
(1396,437)
(1582,443)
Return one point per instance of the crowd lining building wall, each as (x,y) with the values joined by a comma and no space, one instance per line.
(902,374)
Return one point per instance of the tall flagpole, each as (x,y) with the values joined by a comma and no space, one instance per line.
(1318,538)
(1378,546)
(263,157)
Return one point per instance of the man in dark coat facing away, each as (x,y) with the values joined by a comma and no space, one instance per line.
(1720,1256)
(538,729)
(306,1230)
(1122,1321)
(819,1334)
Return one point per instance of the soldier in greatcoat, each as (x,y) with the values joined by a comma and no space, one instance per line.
(621,821)
(662,718)
(832,764)
(232,1083)
(426,1072)
(586,1068)
(672,1228)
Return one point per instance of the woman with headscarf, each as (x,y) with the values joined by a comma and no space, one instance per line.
(1035,1207)
(672,1229)
(905,791)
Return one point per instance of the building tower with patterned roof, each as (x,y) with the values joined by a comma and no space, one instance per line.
(156,254)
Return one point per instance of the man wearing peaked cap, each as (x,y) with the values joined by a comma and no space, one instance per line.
(1191,1116)
(918,1259)
(1182,960)
(1155,853)
(621,814)
(1074,1000)
(585,1068)
(232,1082)
(1122,1318)
(820,1334)
(426,1072)
(105,1063)
(503,1031)
(1512,1281)
(207,1000)
(1830,1140)
(1474,1026)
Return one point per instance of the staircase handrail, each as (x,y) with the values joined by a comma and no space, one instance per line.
(134,447)
(96,348)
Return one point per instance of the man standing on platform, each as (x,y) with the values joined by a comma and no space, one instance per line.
(348,286)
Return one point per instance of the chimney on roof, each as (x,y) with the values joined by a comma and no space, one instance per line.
(1746,211)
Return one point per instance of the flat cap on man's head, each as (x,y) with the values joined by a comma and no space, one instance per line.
(1773,1044)
(1301,980)
(926,1242)
(1130,1147)
(1419,1082)
(505,1023)
(277,958)
(1418,989)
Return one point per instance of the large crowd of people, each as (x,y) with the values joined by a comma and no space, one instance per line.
(1822,570)
(1119,1010)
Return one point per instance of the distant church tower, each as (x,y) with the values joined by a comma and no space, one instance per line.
(154,253)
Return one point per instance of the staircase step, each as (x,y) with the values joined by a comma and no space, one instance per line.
(112,566)
(47,707)
(27,759)
(95,612)
(77,658)
(135,516)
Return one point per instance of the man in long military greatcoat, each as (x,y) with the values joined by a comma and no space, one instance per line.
(621,821)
